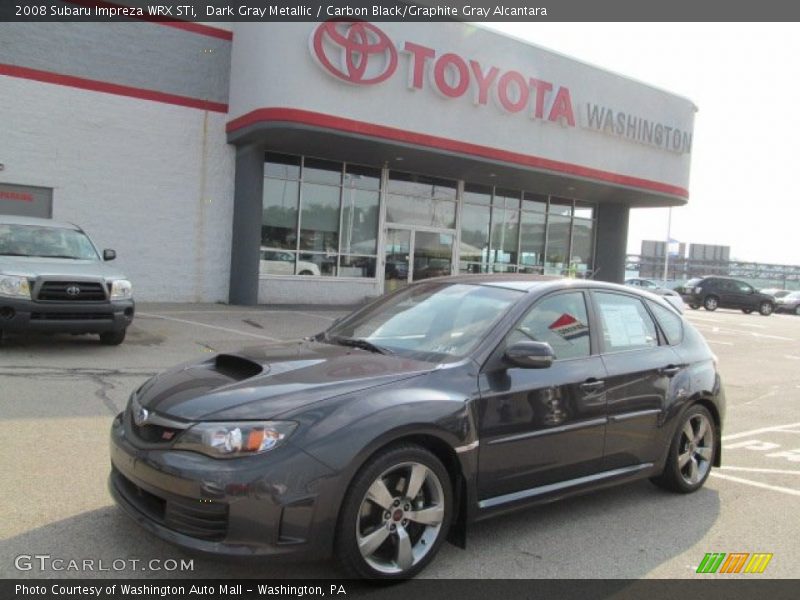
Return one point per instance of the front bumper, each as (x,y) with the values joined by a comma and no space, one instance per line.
(19,315)
(274,504)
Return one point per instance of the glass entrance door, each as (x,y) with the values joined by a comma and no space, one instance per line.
(411,255)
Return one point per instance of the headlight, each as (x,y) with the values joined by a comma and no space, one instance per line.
(698,290)
(13,286)
(231,440)
(121,289)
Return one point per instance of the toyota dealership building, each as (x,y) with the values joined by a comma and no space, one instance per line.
(258,163)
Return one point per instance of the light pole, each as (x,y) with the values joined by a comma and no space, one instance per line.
(666,246)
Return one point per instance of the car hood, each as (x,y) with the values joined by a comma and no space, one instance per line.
(264,382)
(32,266)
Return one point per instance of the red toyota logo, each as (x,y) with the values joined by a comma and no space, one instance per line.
(354,51)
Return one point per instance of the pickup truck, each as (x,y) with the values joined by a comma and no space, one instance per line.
(53,279)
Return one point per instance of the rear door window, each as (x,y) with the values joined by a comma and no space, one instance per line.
(625,323)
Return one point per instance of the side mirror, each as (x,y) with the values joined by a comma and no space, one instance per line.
(109,254)
(530,355)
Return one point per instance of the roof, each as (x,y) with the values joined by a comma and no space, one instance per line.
(36,222)
(527,282)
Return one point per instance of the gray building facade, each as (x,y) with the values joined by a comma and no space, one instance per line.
(263,163)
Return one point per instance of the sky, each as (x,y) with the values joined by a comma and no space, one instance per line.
(743,190)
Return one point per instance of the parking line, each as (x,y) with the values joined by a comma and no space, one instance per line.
(226,329)
(754,470)
(734,436)
(792,357)
(757,484)
(720,342)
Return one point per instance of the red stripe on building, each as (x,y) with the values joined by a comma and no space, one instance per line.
(291,115)
(110,88)
(207,30)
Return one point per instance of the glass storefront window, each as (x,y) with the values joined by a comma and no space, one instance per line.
(309,263)
(409,184)
(532,240)
(322,171)
(279,214)
(477,194)
(584,210)
(427,212)
(357,266)
(557,244)
(582,245)
(319,219)
(360,213)
(561,206)
(474,233)
(363,178)
(537,202)
(282,166)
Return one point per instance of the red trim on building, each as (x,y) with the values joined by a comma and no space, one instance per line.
(192,27)
(110,88)
(291,115)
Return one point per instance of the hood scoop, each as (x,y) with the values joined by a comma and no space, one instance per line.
(237,368)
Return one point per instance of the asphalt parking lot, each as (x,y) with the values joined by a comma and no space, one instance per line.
(58,396)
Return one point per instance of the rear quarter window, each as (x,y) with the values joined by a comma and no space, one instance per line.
(671,324)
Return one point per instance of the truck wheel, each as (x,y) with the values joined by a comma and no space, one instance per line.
(112,338)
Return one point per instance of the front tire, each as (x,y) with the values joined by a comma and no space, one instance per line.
(711,303)
(112,338)
(766,308)
(691,453)
(395,515)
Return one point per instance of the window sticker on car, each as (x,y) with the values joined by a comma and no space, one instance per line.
(568,327)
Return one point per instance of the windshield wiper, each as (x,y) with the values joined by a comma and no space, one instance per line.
(358,343)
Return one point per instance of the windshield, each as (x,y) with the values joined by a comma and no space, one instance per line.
(693,282)
(436,322)
(47,242)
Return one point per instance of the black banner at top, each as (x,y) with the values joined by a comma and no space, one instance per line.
(396,10)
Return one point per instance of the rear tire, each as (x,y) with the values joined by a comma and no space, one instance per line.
(113,338)
(747,311)
(766,308)
(694,306)
(711,303)
(395,515)
(691,453)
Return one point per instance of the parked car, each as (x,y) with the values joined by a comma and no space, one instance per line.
(669,295)
(448,401)
(776,292)
(54,280)
(725,292)
(790,303)
(277,262)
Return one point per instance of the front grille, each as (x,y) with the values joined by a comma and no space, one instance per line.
(202,520)
(65,291)
(46,316)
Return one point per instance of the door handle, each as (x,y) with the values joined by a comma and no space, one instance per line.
(670,370)
(593,385)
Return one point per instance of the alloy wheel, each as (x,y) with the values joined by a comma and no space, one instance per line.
(710,303)
(400,518)
(696,449)
(766,308)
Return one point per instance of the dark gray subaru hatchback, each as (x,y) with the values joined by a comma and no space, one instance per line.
(445,402)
